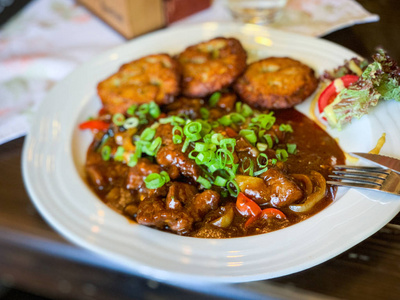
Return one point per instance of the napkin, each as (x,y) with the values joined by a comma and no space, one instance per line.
(50,38)
(39,47)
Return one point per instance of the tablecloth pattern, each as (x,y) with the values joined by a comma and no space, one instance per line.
(50,38)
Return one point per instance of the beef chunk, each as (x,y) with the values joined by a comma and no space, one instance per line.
(138,173)
(283,190)
(152,212)
(178,194)
(203,203)
(172,155)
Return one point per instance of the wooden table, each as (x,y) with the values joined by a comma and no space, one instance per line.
(36,258)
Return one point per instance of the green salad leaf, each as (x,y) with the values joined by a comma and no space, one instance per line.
(379,81)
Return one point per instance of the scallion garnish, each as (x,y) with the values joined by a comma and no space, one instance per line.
(131,110)
(118,119)
(262,147)
(249,135)
(106,152)
(131,122)
(154,110)
(234,192)
(155,180)
(250,168)
(192,131)
(285,128)
(148,134)
(214,99)
(177,137)
(291,148)
(205,114)
(204,182)
(268,138)
(281,154)
(119,154)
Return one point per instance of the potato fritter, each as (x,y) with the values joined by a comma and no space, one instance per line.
(210,66)
(276,83)
(150,78)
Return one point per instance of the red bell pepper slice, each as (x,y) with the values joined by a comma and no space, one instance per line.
(272,213)
(330,93)
(246,206)
(94,125)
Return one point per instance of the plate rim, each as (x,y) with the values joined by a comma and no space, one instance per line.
(136,266)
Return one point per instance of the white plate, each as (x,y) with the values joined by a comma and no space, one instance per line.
(54,154)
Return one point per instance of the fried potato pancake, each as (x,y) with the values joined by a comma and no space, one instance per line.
(150,78)
(210,66)
(276,83)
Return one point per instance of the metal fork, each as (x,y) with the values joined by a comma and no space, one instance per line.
(373,178)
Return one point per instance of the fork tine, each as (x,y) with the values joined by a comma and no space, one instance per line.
(358,180)
(348,184)
(361,174)
(362,169)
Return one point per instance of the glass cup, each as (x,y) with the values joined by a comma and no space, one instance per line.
(256,11)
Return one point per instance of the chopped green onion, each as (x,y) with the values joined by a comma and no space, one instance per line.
(131,110)
(118,119)
(291,148)
(155,180)
(243,109)
(264,121)
(174,120)
(262,147)
(259,172)
(225,120)
(204,158)
(200,147)
(237,118)
(228,142)
(250,168)
(148,134)
(119,154)
(259,162)
(192,131)
(216,138)
(246,111)
(233,192)
(106,153)
(249,135)
(154,110)
(285,128)
(143,109)
(214,99)
(214,124)
(219,181)
(281,154)
(155,145)
(166,176)
(225,157)
(204,182)
(268,138)
(131,122)
(185,145)
(177,138)
(205,114)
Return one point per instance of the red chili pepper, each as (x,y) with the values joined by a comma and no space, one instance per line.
(330,93)
(249,208)
(246,206)
(272,213)
(230,132)
(94,124)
